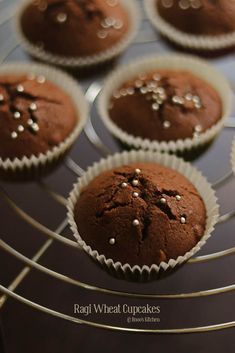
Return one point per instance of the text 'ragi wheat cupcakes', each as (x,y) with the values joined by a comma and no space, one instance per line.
(142,214)
(168,103)
(42,111)
(77,33)
(197,24)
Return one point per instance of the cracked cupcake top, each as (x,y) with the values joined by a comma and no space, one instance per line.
(140,214)
(75,27)
(35,116)
(200,17)
(165,105)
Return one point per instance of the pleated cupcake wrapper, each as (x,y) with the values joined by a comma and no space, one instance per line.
(69,86)
(85,61)
(233,156)
(144,273)
(147,64)
(198,42)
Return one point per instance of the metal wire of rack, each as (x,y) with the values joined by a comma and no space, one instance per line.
(55,236)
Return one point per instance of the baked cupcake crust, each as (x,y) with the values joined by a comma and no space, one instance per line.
(199,17)
(75,29)
(141,214)
(35,116)
(165,105)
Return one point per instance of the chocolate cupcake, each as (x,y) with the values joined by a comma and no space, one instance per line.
(200,24)
(141,213)
(165,103)
(77,33)
(42,111)
(35,116)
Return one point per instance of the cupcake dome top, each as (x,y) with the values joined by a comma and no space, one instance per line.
(199,17)
(165,105)
(35,115)
(74,28)
(140,214)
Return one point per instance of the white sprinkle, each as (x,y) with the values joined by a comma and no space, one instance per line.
(138,83)
(135,194)
(35,127)
(167,3)
(137,171)
(110,21)
(198,128)
(155,106)
(130,91)
(112,241)
(159,90)
(182,220)
(159,101)
(166,124)
(184,4)
(118,24)
(196,99)
(61,17)
(156,77)
(123,92)
(104,24)
(196,135)
(30,122)
(124,185)
(14,135)
(20,128)
(196,4)
(135,182)
(33,107)
(198,105)
(152,84)
(144,90)
(1,98)
(17,115)
(41,79)
(178,100)
(102,34)
(189,97)
(20,88)
(117,95)
(178,197)
(163,200)
(136,223)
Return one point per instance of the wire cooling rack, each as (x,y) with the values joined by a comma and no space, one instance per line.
(96,134)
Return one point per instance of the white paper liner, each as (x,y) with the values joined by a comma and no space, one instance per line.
(145,272)
(233,156)
(198,67)
(85,61)
(200,42)
(69,86)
